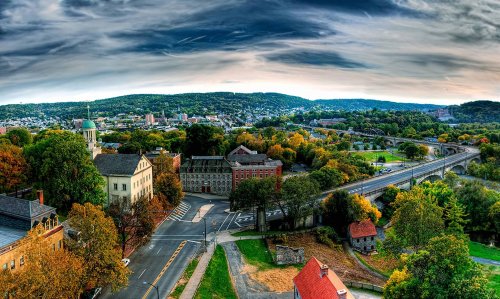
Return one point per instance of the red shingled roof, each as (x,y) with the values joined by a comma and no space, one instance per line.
(361,229)
(311,285)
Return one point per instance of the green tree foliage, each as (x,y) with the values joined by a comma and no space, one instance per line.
(454,217)
(442,270)
(327,177)
(169,186)
(438,190)
(60,165)
(20,137)
(477,201)
(98,246)
(412,151)
(205,140)
(336,210)
(388,198)
(417,218)
(299,199)
(134,222)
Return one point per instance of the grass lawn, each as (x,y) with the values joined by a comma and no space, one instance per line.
(493,275)
(256,253)
(372,156)
(184,279)
(216,282)
(378,263)
(481,250)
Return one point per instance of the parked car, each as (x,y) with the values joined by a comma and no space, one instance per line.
(126,262)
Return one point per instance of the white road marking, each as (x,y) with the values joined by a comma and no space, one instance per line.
(223,222)
(141,273)
(158,251)
(232,219)
(193,241)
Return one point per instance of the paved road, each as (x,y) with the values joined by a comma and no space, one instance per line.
(396,177)
(148,261)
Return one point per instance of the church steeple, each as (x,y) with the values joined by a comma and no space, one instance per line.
(89,133)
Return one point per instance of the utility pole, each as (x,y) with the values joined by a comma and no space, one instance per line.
(157,291)
(205,221)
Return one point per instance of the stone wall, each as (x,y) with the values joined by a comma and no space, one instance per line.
(287,255)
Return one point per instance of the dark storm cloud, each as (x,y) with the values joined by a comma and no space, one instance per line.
(315,58)
(372,7)
(245,24)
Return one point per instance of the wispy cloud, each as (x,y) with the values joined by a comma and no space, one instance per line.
(406,50)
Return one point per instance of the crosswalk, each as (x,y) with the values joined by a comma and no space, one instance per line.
(179,211)
(250,217)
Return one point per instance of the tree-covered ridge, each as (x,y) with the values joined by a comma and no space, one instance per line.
(196,103)
(478,111)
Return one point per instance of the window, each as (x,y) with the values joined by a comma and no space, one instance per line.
(357,240)
(12,264)
(53,247)
(364,239)
(124,187)
(4,267)
(21,261)
(59,243)
(373,247)
(115,186)
(372,238)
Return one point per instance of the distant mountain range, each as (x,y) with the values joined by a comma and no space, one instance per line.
(200,104)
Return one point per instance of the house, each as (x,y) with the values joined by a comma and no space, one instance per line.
(127,176)
(317,281)
(17,217)
(362,236)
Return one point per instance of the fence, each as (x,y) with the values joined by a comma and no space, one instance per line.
(364,286)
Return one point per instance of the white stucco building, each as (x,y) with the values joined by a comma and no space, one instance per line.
(127,176)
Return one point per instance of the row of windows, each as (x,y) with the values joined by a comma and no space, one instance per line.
(143,165)
(208,176)
(357,240)
(213,183)
(142,192)
(12,264)
(124,187)
(214,189)
(253,175)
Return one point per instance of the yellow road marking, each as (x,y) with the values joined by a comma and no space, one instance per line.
(172,258)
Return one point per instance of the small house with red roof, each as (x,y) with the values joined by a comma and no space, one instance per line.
(362,235)
(317,281)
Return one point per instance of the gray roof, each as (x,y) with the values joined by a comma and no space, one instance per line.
(22,208)
(9,235)
(206,162)
(117,164)
(246,159)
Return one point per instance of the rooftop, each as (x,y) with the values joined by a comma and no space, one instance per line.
(312,285)
(117,164)
(88,124)
(9,235)
(361,229)
(22,208)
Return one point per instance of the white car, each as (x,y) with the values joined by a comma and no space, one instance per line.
(126,262)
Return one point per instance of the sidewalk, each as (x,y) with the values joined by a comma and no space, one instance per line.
(351,253)
(198,273)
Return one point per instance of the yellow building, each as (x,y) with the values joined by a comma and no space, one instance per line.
(17,217)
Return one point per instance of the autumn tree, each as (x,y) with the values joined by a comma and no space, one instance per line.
(443,270)
(423,150)
(299,199)
(61,165)
(135,223)
(169,186)
(20,137)
(163,164)
(45,273)
(327,177)
(417,218)
(98,245)
(12,167)
(361,208)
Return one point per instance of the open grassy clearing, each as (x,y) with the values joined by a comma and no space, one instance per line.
(372,156)
(216,282)
(483,251)
(256,253)
(493,275)
(181,284)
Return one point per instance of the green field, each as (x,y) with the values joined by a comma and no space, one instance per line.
(493,275)
(372,156)
(184,278)
(483,251)
(256,253)
(216,282)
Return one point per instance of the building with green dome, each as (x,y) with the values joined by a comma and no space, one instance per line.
(89,133)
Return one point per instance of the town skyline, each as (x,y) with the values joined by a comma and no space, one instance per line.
(403,51)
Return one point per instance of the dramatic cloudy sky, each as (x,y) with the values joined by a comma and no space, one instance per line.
(432,51)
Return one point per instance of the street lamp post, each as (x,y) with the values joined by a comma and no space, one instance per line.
(157,291)
(205,221)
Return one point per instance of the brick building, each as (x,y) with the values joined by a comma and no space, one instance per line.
(207,174)
(248,164)
(220,175)
(362,236)
(17,217)
(317,281)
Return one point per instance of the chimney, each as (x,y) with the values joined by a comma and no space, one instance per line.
(39,195)
(342,293)
(324,270)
